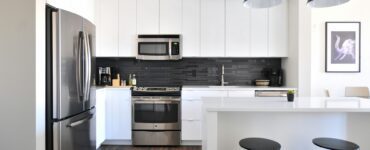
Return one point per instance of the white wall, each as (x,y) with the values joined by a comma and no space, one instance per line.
(297,66)
(17,56)
(355,10)
(21,88)
(40,74)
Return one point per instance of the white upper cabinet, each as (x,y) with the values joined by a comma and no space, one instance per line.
(209,28)
(148,16)
(212,28)
(127,28)
(278,30)
(191,28)
(259,32)
(170,16)
(107,28)
(237,29)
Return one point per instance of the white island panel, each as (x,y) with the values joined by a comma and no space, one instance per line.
(292,124)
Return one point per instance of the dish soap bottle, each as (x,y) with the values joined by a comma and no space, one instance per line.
(133,80)
(129,80)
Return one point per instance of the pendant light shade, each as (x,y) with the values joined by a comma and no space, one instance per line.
(261,3)
(325,3)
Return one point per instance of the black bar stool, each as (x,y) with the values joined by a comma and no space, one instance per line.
(335,144)
(259,144)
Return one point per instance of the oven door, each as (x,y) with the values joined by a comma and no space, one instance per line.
(156,115)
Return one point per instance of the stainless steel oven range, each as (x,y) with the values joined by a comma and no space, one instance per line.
(156,116)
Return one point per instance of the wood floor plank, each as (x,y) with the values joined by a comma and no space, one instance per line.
(106,147)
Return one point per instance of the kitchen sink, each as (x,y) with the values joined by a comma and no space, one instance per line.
(218,86)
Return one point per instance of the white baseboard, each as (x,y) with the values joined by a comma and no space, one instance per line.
(192,142)
(117,142)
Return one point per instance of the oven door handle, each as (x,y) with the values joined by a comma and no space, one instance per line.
(166,102)
(157,102)
(143,102)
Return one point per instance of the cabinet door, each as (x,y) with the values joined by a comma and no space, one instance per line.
(212,28)
(197,95)
(118,115)
(191,28)
(241,93)
(107,29)
(170,16)
(127,28)
(100,117)
(278,30)
(259,32)
(191,109)
(191,130)
(148,16)
(237,29)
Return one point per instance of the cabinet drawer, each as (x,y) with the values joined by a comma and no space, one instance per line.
(191,110)
(200,94)
(191,130)
(242,93)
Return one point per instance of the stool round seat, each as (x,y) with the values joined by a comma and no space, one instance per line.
(335,144)
(259,144)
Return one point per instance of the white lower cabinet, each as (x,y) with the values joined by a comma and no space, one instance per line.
(191,130)
(241,93)
(100,117)
(192,109)
(118,114)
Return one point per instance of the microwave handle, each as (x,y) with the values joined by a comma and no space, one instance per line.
(170,48)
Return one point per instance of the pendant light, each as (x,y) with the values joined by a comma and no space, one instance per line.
(261,3)
(325,3)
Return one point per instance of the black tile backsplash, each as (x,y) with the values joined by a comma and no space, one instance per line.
(190,71)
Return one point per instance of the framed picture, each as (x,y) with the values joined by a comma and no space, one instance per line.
(343,47)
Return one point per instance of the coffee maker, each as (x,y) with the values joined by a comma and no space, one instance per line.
(105,76)
(276,77)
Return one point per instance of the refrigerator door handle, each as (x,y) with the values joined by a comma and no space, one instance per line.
(79,122)
(87,67)
(79,67)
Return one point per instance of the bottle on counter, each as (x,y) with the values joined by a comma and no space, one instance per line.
(123,82)
(133,80)
(129,80)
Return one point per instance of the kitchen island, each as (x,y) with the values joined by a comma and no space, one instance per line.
(227,120)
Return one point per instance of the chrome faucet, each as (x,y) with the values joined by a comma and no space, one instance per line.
(222,76)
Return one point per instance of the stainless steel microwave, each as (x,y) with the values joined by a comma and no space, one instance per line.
(159,47)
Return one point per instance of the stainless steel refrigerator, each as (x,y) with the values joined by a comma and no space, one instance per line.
(70,82)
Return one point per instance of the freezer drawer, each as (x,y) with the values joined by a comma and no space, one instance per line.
(76,133)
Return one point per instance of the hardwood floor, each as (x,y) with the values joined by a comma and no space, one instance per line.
(106,147)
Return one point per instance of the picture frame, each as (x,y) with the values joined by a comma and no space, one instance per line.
(343,47)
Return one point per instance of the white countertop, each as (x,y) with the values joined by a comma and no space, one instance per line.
(300,104)
(112,87)
(222,88)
